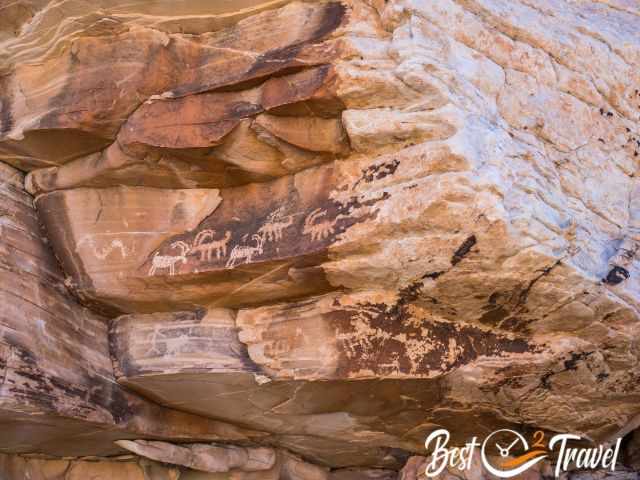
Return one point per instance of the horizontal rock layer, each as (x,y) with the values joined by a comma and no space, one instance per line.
(83,78)
(58,394)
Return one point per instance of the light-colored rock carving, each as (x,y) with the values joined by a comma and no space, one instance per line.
(57,385)
(205,244)
(316,227)
(245,253)
(102,253)
(275,225)
(161,262)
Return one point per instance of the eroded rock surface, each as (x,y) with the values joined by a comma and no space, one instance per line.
(204,458)
(58,394)
(18,467)
(323,228)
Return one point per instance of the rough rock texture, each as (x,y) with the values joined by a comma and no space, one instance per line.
(58,394)
(13,467)
(204,458)
(322,229)
(282,465)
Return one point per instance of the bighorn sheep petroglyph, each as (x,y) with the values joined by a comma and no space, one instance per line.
(169,261)
(246,252)
(206,248)
(318,230)
(273,228)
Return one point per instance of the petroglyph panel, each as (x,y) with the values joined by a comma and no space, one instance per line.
(336,226)
(367,335)
(58,393)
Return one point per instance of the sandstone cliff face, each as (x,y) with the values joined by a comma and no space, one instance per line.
(304,235)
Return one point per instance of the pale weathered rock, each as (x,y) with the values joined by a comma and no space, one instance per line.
(14,467)
(206,458)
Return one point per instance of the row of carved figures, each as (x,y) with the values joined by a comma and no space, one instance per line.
(205,243)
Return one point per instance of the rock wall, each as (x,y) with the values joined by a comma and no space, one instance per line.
(58,394)
(324,228)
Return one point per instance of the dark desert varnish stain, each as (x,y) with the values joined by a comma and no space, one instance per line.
(333,15)
(463,249)
(206,119)
(278,60)
(378,171)
(6,118)
(313,222)
(91,394)
(376,353)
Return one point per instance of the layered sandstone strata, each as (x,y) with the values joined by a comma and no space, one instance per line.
(58,394)
(314,232)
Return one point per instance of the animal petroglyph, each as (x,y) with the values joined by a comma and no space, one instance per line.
(104,252)
(162,345)
(273,228)
(246,252)
(319,230)
(205,245)
(169,261)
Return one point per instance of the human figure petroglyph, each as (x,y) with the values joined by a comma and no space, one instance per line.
(169,261)
(272,230)
(205,245)
(620,263)
(154,341)
(319,230)
(246,252)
